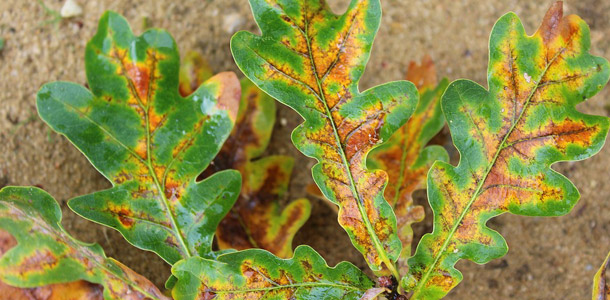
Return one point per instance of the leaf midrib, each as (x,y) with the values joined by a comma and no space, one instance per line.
(148,163)
(375,239)
(475,195)
(291,286)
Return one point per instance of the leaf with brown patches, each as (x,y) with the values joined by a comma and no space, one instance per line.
(150,142)
(48,263)
(257,219)
(405,156)
(374,293)
(76,290)
(508,137)
(256,274)
(311,60)
(601,285)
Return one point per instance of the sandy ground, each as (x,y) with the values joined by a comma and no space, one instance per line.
(550,258)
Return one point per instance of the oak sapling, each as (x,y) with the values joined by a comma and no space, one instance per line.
(154,135)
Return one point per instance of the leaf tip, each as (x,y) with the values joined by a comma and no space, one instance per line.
(422,74)
(550,26)
(601,288)
(229,94)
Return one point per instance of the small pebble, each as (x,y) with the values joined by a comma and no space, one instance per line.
(70,9)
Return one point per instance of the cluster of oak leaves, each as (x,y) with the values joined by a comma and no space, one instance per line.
(192,183)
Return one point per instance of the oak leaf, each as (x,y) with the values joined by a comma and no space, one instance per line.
(601,286)
(151,143)
(259,275)
(51,264)
(311,60)
(508,137)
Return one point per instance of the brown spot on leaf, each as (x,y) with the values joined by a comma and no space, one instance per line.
(81,290)
(229,94)
(7,241)
(38,262)
(172,242)
(550,27)
(123,213)
(206,295)
(122,177)
(140,76)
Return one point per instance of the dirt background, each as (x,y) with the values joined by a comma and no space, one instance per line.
(550,258)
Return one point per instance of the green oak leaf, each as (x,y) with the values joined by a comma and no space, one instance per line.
(311,60)
(508,137)
(150,142)
(258,274)
(47,254)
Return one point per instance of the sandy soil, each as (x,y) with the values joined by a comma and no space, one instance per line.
(550,258)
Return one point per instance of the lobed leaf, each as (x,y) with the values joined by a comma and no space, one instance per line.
(80,289)
(601,287)
(311,60)
(258,274)
(508,137)
(147,140)
(47,254)
(405,156)
(257,220)
(253,129)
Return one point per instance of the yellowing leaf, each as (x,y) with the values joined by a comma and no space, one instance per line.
(601,286)
(508,136)
(47,254)
(255,274)
(76,290)
(405,156)
(150,142)
(257,220)
(311,60)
